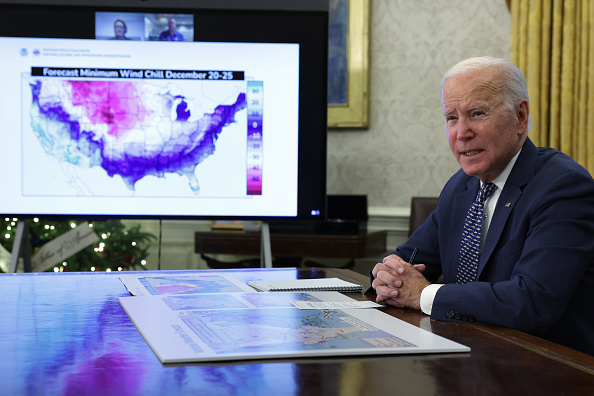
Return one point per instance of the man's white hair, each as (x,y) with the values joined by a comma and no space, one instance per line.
(513,81)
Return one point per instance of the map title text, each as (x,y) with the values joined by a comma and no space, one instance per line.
(159,74)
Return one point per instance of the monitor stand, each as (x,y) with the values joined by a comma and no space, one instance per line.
(265,250)
(22,245)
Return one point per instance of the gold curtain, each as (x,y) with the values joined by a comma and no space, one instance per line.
(552,42)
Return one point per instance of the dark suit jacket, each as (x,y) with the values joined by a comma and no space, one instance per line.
(536,271)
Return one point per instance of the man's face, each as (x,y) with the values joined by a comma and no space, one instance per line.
(482,133)
(172,26)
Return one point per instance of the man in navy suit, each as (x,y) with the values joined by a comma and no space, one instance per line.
(536,263)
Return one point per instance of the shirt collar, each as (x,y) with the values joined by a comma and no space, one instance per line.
(500,180)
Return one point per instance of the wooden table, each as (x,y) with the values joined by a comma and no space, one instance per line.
(66,334)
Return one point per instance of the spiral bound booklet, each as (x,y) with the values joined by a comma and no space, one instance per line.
(321,284)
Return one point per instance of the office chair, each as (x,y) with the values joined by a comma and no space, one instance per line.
(420,209)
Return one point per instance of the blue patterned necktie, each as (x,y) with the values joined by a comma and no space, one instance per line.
(471,237)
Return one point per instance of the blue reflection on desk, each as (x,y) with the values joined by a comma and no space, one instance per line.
(66,334)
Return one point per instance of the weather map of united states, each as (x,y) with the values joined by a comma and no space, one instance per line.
(132,129)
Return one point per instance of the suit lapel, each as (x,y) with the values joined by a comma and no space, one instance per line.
(520,175)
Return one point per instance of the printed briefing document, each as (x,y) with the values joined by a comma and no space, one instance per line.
(237,326)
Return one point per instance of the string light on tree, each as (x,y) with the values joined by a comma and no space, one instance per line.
(120,248)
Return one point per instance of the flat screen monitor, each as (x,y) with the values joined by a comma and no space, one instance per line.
(207,109)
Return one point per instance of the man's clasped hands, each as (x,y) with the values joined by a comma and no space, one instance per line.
(399,283)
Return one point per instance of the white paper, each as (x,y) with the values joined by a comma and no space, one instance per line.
(335,304)
(238,326)
(183,284)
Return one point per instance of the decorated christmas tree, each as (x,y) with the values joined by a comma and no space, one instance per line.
(119,248)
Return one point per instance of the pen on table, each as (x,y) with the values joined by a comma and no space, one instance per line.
(413,256)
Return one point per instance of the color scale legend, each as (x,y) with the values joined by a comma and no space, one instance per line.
(255,103)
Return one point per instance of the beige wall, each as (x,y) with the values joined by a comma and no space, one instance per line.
(404,152)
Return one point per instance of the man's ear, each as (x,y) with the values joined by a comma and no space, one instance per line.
(522,113)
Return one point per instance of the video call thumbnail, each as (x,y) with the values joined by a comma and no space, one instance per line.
(144,27)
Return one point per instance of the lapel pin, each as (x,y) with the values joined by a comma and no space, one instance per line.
(507,205)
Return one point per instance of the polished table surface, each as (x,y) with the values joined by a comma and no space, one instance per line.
(66,334)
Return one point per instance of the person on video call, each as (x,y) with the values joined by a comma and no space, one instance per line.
(528,263)
(120,30)
(171,34)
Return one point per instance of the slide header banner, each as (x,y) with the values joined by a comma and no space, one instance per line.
(158,74)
